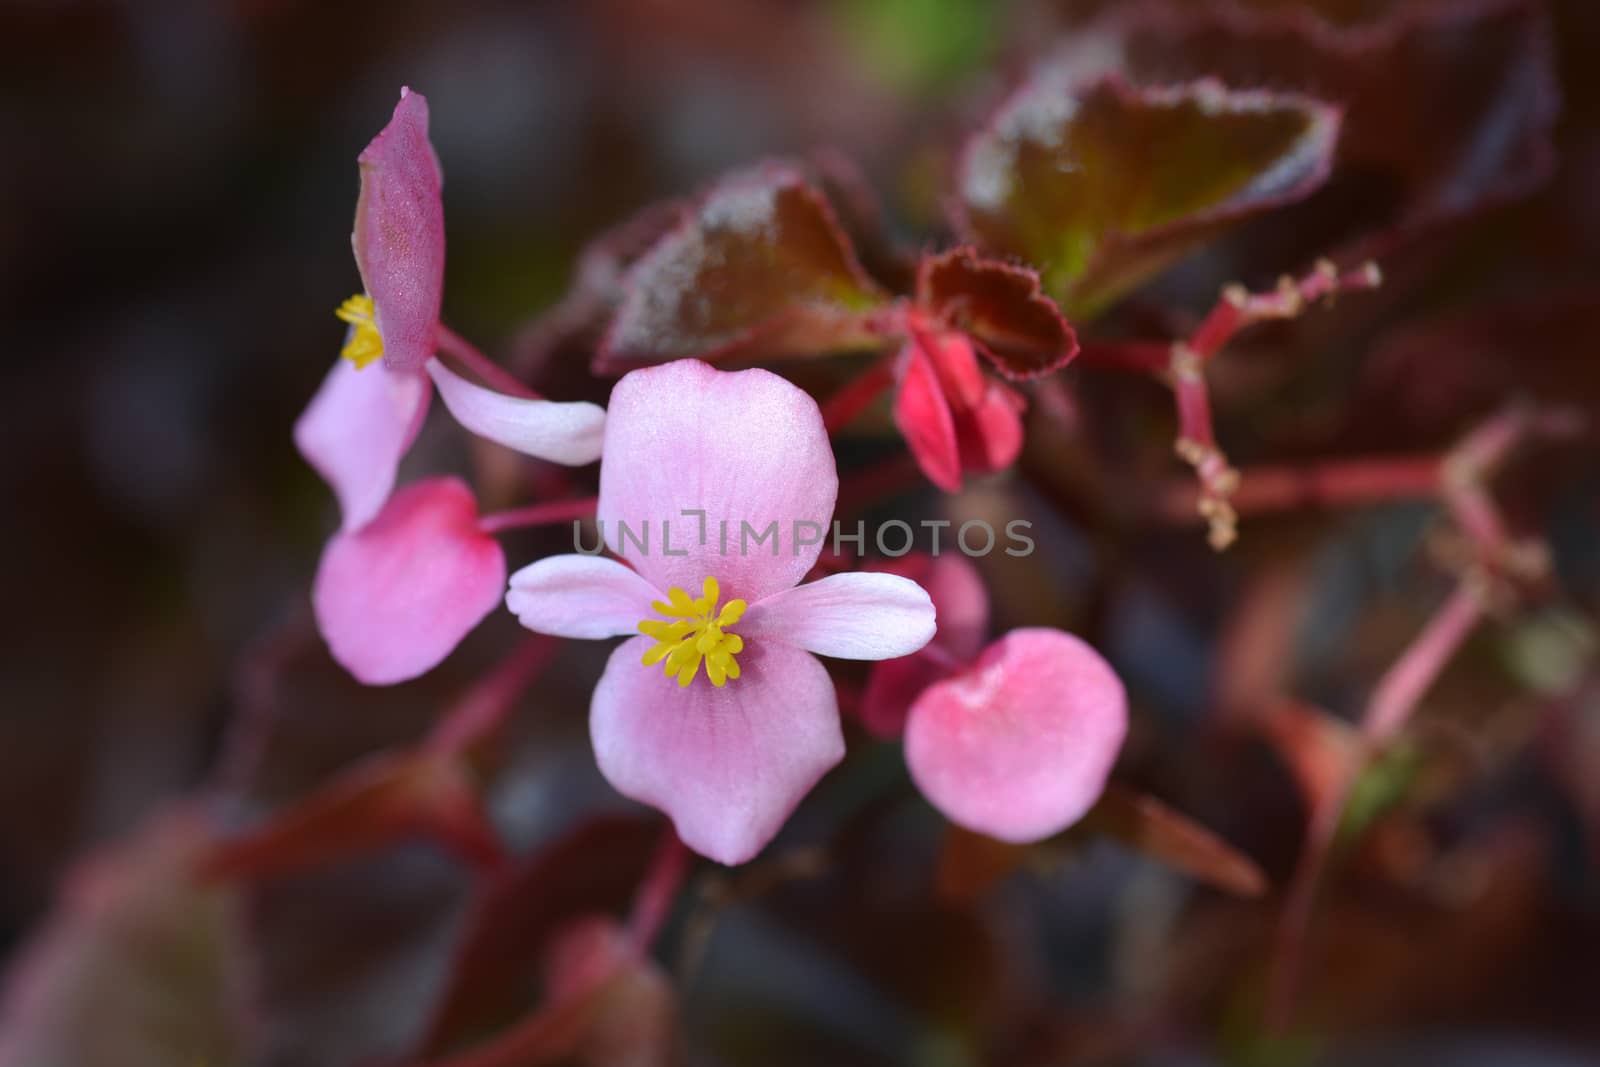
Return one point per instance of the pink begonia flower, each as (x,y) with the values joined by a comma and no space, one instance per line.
(962,604)
(370,407)
(395,597)
(1019,745)
(729,750)
(953,416)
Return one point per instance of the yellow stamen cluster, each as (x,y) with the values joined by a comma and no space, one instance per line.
(365,343)
(693,631)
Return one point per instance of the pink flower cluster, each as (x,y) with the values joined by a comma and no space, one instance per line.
(716,709)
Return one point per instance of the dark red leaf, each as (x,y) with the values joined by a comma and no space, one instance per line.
(1146,824)
(1001,307)
(1099,183)
(137,966)
(761,268)
(392,797)
(1453,104)
(494,975)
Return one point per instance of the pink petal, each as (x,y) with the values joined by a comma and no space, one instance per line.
(569,433)
(745,447)
(728,765)
(990,434)
(1020,746)
(953,357)
(958,594)
(399,234)
(849,616)
(923,415)
(962,604)
(581,596)
(395,597)
(355,431)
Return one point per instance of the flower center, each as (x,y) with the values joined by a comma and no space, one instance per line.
(694,630)
(365,343)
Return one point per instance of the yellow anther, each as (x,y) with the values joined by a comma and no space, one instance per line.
(694,632)
(365,343)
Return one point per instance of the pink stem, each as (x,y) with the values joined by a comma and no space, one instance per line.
(1404,684)
(653,902)
(545,514)
(1393,700)
(1339,483)
(1239,307)
(1193,402)
(487,370)
(479,713)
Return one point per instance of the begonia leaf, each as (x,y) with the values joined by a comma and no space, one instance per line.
(1000,306)
(1447,105)
(1100,184)
(761,268)
(1151,827)
(390,798)
(136,967)
(492,979)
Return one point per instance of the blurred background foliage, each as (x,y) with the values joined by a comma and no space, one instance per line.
(177,185)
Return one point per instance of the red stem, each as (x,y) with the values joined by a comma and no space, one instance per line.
(1239,307)
(1193,400)
(1393,700)
(653,901)
(856,395)
(545,514)
(480,712)
(487,370)
(1403,686)
(1263,490)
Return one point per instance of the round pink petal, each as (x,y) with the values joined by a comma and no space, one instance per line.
(746,447)
(569,433)
(581,596)
(399,234)
(395,597)
(356,430)
(848,616)
(728,765)
(1020,746)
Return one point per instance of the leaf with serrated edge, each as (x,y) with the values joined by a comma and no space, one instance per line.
(761,268)
(1000,306)
(1101,184)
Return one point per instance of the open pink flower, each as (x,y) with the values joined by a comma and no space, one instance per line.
(407,578)
(373,402)
(718,489)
